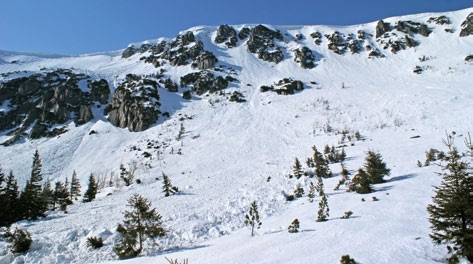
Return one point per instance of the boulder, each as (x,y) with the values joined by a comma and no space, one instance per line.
(227,34)
(304,57)
(205,61)
(382,28)
(467,26)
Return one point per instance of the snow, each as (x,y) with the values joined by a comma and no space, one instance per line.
(229,150)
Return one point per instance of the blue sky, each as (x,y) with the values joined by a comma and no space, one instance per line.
(87,26)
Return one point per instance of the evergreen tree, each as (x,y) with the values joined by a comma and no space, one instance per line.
(312,191)
(3,198)
(319,188)
(61,196)
(451,213)
(140,223)
(361,182)
(252,218)
(75,187)
(375,167)
(182,130)
(345,177)
(92,189)
(168,188)
(294,226)
(20,240)
(298,192)
(321,165)
(346,259)
(32,200)
(10,211)
(297,169)
(48,196)
(323,213)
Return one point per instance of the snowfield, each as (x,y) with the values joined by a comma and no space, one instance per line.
(229,150)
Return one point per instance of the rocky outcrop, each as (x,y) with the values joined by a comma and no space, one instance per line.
(135,104)
(382,28)
(184,50)
(285,86)
(467,26)
(469,58)
(441,20)
(317,37)
(226,34)
(204,81)
(42,101)
(411,28)
(244,33)
(261,42)
(304,57)
(337,43)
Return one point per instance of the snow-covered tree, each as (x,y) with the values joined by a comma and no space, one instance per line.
(361,182)
(140,223)
(297,169)
(323,212)
(312,190)
(451,213)
(252,218)
(319,187)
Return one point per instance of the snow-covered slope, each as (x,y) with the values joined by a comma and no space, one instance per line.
(228,150)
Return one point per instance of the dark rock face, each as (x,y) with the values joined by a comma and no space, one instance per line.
(135,104)
(411,28)
(469,58)
(244,33)
(317,37)
(304,57)
(441,20)
(467,26)
(226,34)
(184,50)
(337,43)
(285,86)
(204,81)
(382,28)
(261,42)
(44,100)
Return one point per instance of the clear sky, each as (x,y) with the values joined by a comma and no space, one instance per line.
(87,26)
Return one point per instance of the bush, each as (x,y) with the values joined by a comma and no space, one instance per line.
(346,259)
(347,215)
(94,242)
(20,240)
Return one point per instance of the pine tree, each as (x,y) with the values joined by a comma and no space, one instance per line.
(182,130)
(321,165)
(168,188)
(48,196)
(61,196)
(297,169)
(92,189)
(252,218)
(319,188)
(345,177)
(10,202)
(312,191)
(361,182)
(140,223)
(75,186)
(323,213)
(451,213)
(32,203)
(294,226)
(375,167)
(3,198)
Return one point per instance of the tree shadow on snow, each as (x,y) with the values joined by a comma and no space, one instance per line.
(179,249)
(402,177)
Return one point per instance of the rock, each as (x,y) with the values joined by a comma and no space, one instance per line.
(85,115)
(382,28)
(469,58)
(261,42)
(337,43)
(128,52)
(135,104)
(204,81)
(411,28)
(244,33)
(227,34)
(441,20)
(285,86)
(467,26)
(205,61)
(100,91)
(418,70)
(304,57)
(410,42)
(317,37)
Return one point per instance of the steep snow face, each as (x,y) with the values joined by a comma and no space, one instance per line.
(231,154)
